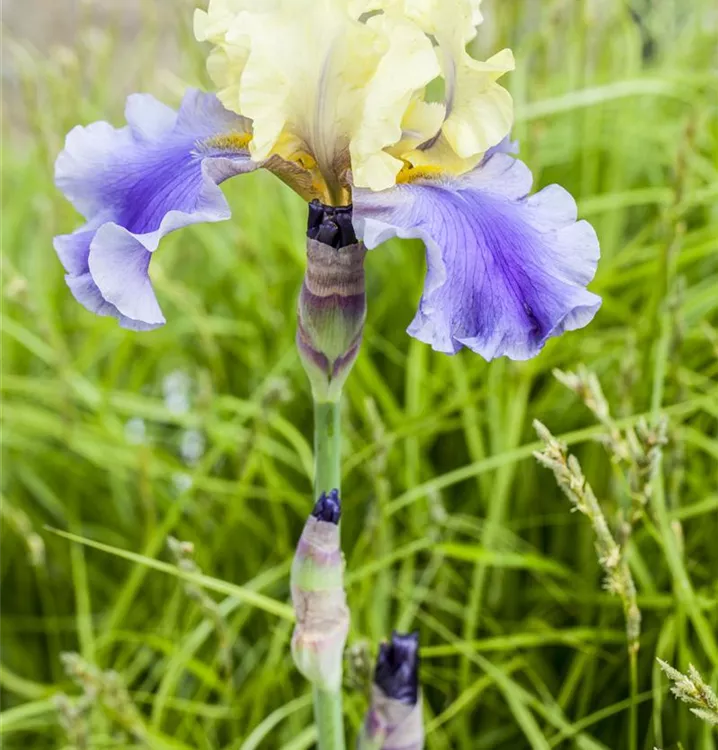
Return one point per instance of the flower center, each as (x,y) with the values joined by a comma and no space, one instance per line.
(331,225)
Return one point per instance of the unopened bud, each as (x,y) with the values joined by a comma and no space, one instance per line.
(394,720)
(332,303)
(317,582)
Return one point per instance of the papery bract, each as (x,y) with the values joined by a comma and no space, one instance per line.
(318,597)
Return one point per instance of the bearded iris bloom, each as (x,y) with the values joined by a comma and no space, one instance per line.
(332,97)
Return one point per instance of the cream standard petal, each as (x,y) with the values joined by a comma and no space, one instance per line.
(445,18)
(212,25)
(226,62)
(304,79)
(422,120)
(477,16)
(407,67)
(479,111)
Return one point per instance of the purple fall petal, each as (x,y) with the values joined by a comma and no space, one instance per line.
(505,271)
(136,184)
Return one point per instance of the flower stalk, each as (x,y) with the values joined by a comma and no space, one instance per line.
(327,441)
(330,323)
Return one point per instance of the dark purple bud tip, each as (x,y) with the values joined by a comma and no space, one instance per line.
(397,668)
(328,508)
(331,225)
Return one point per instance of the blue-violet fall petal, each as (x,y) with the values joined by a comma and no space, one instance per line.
(505,270)
(136,184)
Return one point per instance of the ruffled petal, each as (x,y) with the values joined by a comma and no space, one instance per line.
(505,271)
(136,184)
(119,265)
(226,62)
(478,112)
(304,79)
(408,65)
(325,82)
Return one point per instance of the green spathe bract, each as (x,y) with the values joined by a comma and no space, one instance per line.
(331,313)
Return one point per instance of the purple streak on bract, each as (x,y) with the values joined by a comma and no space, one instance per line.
(397,668)
(328,508)
(505,271)
(136,184)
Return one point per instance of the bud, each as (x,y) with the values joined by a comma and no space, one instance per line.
(317,582)
(394,720)
(332,303)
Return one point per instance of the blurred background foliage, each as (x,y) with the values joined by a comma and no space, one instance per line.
(201,430)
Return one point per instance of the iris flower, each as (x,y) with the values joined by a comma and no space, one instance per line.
(374,104)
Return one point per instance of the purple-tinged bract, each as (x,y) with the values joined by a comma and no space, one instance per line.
(318,597)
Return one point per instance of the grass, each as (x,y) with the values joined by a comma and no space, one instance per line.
(450,525)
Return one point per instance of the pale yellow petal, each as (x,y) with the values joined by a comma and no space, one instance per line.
(407,66)
(480,112)
(440,157)
(445,18)
(226,62)
(214,24)
(225,66)
(357,8)
(331,85)
(305,78)
(476,15)
(422,121)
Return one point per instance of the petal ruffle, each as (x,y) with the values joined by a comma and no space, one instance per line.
(505,271)
(479,112)
(136,184)
(407,66)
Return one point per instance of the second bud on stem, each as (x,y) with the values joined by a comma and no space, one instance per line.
(317,583)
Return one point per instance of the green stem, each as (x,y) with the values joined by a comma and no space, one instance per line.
(633,711)
(327,476)
(327,447)
(329,720)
